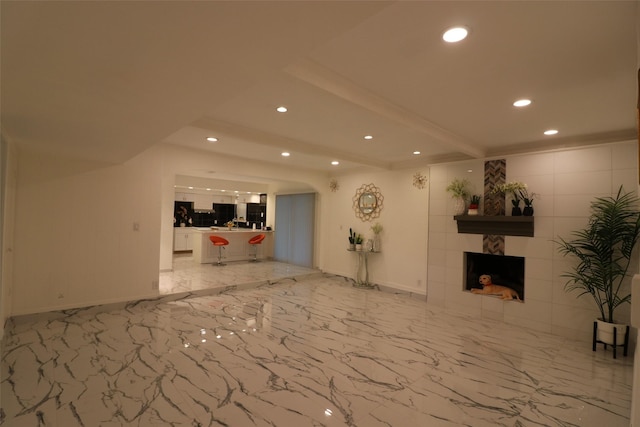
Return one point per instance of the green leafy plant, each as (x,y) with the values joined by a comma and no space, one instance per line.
(526,196)
(458,188)
(514,188)
(604,250)
(352,237)
(474,201)
(359,239)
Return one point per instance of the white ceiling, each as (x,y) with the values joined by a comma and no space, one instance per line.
(106,80)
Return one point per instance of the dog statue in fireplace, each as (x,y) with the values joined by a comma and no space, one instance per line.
(488,288)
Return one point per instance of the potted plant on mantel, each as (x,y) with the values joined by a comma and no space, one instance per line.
(514,188)
(474,204)
(458,188)
(604,251)
(528,201)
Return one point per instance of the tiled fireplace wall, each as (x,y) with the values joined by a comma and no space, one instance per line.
(566,182)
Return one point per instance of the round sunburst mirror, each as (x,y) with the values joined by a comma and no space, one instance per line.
(367,202)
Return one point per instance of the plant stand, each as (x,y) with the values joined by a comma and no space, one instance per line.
(615,345)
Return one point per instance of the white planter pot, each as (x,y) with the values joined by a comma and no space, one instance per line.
(605,332)
(459,206)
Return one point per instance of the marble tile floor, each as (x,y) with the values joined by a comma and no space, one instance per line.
(189,277)
(295,352)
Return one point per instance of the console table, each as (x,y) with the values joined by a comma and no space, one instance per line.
(362,271)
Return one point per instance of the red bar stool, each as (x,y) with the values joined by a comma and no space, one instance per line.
(220,242)
(254,241)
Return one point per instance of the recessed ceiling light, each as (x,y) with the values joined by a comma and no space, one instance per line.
(455,34)
(368,137)
(469,170)
(285,154)
(416,152)
(224,191)
(335,163)
(522,103)
(550,132)
(212,139)
(281,109)
(208,189)
(236,191)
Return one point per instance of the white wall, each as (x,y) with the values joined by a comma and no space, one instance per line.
(402,262)
(9,170)
(567,182)
(75,242)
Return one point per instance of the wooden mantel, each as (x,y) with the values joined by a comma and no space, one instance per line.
(502,225)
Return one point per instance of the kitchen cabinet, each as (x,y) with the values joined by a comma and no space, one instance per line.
(182,239)
(256,213)
(248,198)
(184,197)
(202,201)
(223,199)
(223,212)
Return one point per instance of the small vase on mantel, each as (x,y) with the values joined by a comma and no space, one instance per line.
(528,211)
(516,211)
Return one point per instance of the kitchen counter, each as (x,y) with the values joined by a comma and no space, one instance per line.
(226,230)
(238,248)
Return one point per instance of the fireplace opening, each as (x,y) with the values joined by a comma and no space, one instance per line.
(504,271)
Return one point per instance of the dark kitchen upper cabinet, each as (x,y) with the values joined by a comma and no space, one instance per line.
(223,212)
(257,213)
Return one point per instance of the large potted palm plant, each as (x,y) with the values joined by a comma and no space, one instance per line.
(605,252)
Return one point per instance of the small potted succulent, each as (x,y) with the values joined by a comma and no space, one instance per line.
(352,240)
(474,203)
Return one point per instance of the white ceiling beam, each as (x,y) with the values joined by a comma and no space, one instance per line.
(255,136)
(332,82)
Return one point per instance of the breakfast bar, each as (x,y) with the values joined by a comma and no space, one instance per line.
(238,248)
